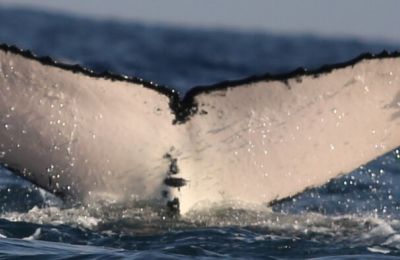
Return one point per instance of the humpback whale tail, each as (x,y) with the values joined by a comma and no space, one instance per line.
(86,135)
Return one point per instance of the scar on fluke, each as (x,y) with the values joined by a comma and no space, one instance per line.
(175,182)
(173,206)
(173,167)
(172,182)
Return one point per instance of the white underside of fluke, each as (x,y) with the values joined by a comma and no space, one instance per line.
(88,136)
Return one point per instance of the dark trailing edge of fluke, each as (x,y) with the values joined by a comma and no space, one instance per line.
(185,107)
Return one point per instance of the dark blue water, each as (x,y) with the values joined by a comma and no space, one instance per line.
(357,215)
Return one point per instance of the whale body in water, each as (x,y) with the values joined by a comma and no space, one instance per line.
(258,140)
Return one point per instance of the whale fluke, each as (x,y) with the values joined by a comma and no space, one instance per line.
(85,135)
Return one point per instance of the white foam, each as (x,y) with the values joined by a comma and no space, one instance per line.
(362,230)
(34,236)
(54,216)
(378,249)
(393,241)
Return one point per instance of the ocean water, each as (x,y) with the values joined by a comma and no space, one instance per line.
(354,216)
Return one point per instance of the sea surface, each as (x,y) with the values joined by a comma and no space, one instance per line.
(355,216)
